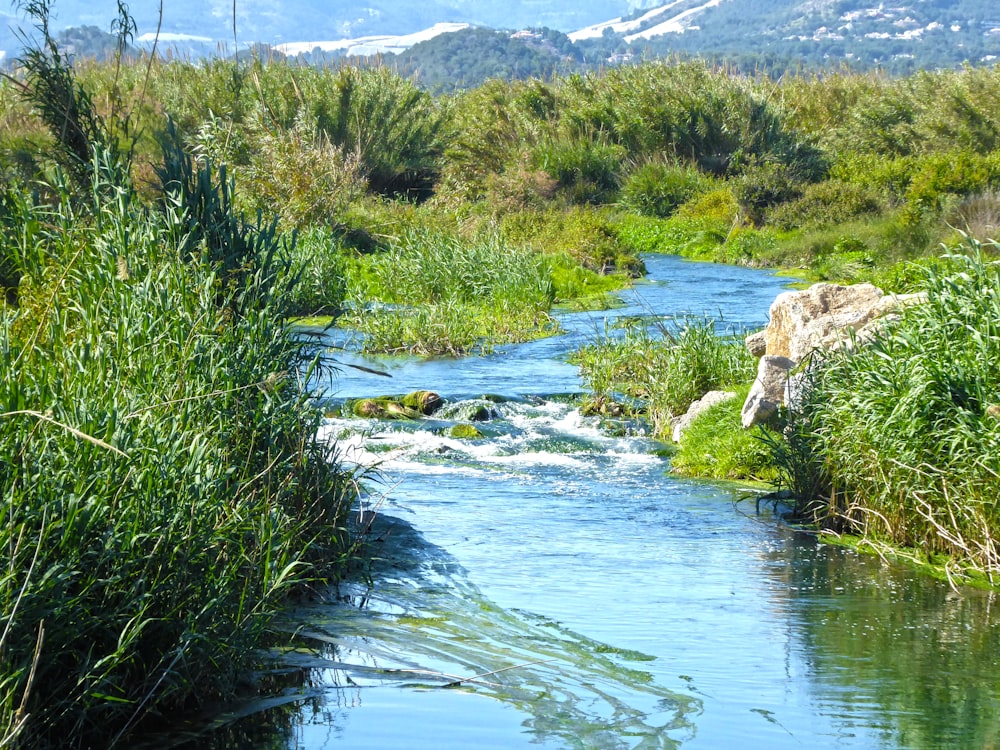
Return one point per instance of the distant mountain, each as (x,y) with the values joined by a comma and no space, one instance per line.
(286,21)
(904,35)
(780,34)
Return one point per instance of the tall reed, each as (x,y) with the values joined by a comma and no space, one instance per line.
(161,486)
(908,427)
(669,367)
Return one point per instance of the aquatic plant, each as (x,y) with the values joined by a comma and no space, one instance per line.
(669,368)
(440,294)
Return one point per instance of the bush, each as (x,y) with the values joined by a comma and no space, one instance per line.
(586,169)
(762,186)
(717,205)
(826,203)
(298,175)
(658,189)
(954,173)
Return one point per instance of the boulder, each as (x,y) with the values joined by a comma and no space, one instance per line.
(425,402)
(819,317)
(767,393)
(822,317)
(704,403)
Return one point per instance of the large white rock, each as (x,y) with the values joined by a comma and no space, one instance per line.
(820,317)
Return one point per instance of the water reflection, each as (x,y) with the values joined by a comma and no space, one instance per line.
(889,648)
(425,627)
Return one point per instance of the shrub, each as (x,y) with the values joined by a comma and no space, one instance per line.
(954,173)
(717,205)
(587,169)
(762,186)
(298,175)
(826,203)
(658,188)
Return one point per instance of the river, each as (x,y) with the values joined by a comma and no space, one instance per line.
(598,601)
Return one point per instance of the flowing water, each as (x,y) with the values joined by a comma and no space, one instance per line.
(552,586)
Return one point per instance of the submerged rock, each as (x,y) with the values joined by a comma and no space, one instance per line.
(425,402)
(474,410)
(409,406)
(464,432)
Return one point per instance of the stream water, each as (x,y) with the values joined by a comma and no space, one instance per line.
(599,601)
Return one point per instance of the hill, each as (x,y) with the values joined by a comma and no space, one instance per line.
(436,37)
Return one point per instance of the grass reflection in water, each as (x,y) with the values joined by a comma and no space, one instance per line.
(426,624)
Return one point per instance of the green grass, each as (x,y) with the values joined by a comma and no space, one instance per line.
(715,446)
(668,369)
(161,486)
(435,293)
(906,430)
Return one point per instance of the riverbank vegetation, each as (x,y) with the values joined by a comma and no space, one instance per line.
(160,222)
(162,487)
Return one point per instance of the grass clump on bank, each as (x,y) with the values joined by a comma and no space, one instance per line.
(716,446)
(162,488)
(438,294)
(161,484)
(903,435)
(667,370)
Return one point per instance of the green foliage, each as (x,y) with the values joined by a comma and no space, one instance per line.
(683,236)
(587,235)
(889,176)
(297,174)
(718,204)
(689,111)
(763,186)
(715,446)
(66,107)
(906,427)
(950,173)
(668,371)
(162,487)
(442,295)
(826,203)
(392,126)
(580,286)
(586,168)
(658,189)
(318,262)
